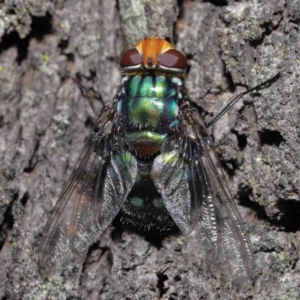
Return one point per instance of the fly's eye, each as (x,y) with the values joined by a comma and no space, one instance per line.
(173,60)
(131,59)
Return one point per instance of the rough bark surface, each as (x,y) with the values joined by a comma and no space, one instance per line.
(44,120)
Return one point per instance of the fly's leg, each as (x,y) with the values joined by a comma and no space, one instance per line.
(88,92)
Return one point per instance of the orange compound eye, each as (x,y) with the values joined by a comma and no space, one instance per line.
(131,59)
(173,60)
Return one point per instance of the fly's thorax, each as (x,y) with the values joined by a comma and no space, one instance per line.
(147,106)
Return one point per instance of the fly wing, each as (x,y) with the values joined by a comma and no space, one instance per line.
(102,178)
(196,195)
(172,178)
(234,247)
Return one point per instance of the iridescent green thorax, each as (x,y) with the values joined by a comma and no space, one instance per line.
(148,106)
(150,86)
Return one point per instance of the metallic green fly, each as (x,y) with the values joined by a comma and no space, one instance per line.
(150,159)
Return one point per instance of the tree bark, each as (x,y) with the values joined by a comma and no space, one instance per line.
(44,119)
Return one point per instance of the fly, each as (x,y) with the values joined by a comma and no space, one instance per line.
(149,158)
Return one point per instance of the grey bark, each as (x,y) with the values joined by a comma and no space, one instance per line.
(44,120)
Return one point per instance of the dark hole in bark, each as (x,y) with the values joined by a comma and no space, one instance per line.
(291,214)
(242,141)
(24,199)
(6,226)
(40,26)
(290,210)
(270,137)
(244,196)
(217,2)
(161,283)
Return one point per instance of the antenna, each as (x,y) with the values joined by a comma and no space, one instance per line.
(238,97)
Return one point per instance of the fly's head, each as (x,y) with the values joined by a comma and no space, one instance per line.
(154,54)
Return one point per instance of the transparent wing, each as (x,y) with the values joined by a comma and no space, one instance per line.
(172,177)
(94,194)
(195,193)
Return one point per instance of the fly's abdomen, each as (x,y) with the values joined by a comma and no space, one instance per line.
(146,109)
(144,207)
